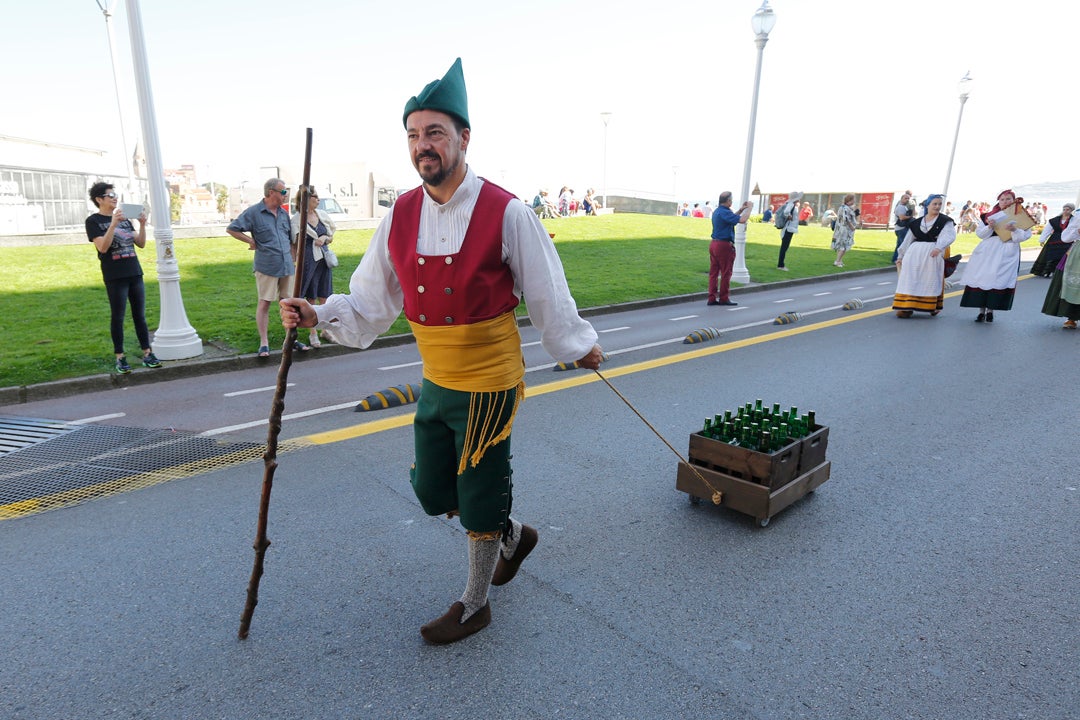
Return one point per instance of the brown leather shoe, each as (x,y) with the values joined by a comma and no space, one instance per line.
(449,628)
(505,570)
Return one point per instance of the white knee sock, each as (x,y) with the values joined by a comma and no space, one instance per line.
(483,555)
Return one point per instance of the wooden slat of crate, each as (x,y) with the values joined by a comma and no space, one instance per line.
(812,449)
(742,495)
(747,497)
(770,469)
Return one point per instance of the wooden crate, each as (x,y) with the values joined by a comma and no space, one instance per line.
(749,498)
(770,470)
(812,449)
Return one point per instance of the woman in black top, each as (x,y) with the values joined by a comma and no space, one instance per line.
(115,239)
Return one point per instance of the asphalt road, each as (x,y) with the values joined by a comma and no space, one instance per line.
(933,576)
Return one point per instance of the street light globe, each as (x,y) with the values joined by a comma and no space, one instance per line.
(965,84)
(764,20)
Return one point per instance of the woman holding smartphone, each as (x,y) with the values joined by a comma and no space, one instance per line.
(115,239)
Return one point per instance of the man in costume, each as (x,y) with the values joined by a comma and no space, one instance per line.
(458,253)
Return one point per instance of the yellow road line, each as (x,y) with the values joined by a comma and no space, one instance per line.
(369,428)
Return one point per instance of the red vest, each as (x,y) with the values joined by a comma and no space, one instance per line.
(468,287)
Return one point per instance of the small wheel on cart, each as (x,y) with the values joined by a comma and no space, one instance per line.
(695,500)
(763,522)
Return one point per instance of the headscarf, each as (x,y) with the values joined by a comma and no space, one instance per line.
(997,205)
(929,199)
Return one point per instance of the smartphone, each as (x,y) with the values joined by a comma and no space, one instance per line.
(131,210)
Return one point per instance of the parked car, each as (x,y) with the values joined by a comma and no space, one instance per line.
(332,208)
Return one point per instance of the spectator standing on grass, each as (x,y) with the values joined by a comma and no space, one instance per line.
(789,214)
(903,214)
(318,229)
(267,230)
(115,239)
(722,248)
(806,214)
(844,229)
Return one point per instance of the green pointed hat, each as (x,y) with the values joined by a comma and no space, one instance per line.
(446,95)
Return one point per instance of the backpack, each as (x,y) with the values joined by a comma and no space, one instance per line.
(780,220)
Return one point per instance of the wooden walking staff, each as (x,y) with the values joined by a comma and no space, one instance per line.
(278,406)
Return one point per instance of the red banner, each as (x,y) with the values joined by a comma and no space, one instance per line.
(876,209)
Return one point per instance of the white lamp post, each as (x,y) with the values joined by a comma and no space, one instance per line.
(675,186)
(107,11)
(964,88)
(175,338)
(605,116)
(762,23)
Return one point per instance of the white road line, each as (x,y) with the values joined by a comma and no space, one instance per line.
(775,302)
(403,365)
(291,416)
(530,344)
(684,317)
(857,287)
(822,293)
(535,368)
(255,390)
(624,327)
(735,309)
(887,282)
(99,418)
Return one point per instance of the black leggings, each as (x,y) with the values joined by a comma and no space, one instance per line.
(121,291)
(784,243)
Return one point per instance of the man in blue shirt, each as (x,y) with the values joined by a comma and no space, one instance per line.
(722,248)
(271,239)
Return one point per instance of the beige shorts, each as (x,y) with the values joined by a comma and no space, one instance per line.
(271,289)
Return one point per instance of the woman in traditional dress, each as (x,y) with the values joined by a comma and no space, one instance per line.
(921,261)
(990,276)
(1063,295)
(1053,249)
(844,232)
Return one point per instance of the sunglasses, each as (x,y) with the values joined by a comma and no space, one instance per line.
(110,195)
(284,193)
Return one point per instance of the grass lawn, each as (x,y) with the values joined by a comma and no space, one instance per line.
(56,314)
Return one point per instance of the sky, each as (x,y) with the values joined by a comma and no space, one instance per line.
(854,96)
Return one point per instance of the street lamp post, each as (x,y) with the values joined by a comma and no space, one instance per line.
(107,11)
(605,116)
(762,23)
(964,87)
(175,338)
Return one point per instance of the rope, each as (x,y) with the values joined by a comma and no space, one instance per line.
(717,495)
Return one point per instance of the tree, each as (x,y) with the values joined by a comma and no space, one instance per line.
(222,199)
(175,203)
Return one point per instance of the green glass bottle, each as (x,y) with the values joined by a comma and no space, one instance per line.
(776,408)
(810,419)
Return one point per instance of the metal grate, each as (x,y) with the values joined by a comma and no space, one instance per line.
(19,432)
(92,461)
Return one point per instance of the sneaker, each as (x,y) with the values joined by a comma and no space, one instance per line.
(151,361)
(122,366)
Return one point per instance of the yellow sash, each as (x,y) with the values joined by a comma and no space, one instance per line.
(481,357)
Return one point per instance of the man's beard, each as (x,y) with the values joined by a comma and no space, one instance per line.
(435,178)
